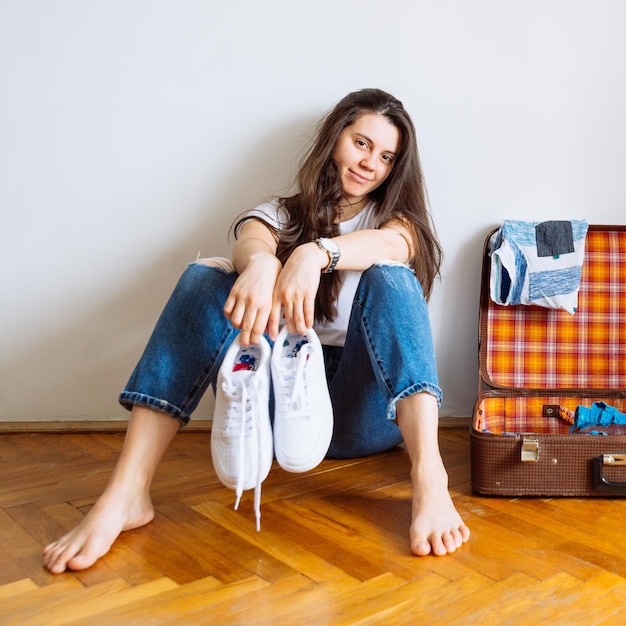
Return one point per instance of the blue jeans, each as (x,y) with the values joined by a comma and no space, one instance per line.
(388,355)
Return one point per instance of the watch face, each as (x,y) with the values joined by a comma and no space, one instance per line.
(329,244)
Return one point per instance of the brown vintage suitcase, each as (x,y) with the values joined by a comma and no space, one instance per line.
(536,366)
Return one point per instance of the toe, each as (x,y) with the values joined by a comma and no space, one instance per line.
(465,533)
(439,544)
(81,561)
(58,560)
(422,548)
(449,541)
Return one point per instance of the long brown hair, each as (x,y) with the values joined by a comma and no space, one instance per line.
(312,211)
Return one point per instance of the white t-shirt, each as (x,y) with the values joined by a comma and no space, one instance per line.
(330,333)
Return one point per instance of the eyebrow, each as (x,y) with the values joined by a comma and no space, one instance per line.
(373,143)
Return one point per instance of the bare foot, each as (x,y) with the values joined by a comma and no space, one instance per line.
(94,536)
(436,527)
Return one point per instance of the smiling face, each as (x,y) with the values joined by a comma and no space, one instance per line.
(365,153)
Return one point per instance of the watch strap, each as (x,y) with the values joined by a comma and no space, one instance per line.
(333,256)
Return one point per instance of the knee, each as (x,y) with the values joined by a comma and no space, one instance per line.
(391,276)
(213,276)
(219,262)
(384,269)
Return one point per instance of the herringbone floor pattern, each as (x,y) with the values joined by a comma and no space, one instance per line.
(333,547)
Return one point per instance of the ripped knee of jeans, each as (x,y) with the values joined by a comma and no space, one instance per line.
(220,262)
(391,263)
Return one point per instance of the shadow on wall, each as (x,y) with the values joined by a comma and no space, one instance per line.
(75,370)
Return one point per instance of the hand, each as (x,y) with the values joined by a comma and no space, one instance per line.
(296,288)
(250,302)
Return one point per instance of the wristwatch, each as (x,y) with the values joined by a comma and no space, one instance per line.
(332,250)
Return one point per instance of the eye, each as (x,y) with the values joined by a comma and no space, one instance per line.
(387,158)
(361,143)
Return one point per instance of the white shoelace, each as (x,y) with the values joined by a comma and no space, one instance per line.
(294,378)
(240,423)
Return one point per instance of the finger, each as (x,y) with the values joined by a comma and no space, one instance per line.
(309,313)
(244,338)
(247,327)
(229,305)
(291,326)
(258,328)
(299,318)
(288,314)
(273,325)
(236,314)
(231,302)
(298,324)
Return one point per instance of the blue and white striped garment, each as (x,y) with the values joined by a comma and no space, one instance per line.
(538,263)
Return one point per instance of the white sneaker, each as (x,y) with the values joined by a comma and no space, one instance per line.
(241,435)
(303,415)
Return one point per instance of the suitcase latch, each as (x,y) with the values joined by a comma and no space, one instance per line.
(614,459)
(530,450)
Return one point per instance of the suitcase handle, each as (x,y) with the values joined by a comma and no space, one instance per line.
(601,483)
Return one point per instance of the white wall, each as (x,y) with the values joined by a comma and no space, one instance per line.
(133,131)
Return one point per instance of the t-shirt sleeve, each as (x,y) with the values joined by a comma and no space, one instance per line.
(271,213)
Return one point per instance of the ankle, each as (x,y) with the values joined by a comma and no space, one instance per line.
(431,472)
(128,487)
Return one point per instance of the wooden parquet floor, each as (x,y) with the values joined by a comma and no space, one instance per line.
(333,548)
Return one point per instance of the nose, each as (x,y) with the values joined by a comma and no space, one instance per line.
(367,162)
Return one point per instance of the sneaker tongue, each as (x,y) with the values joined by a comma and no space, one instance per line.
(295,381)
(293,345)
(247,360)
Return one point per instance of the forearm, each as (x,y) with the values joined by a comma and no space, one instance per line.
(255,243)
(250,250)
(250,302)
(363,248)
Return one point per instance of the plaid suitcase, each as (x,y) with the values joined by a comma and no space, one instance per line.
(538,364)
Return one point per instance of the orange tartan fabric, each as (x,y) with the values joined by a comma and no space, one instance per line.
(526,414)
(533,347)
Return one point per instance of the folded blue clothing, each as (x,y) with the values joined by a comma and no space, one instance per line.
(598,414)
(538,263)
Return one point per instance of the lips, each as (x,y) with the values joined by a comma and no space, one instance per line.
(359,178)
